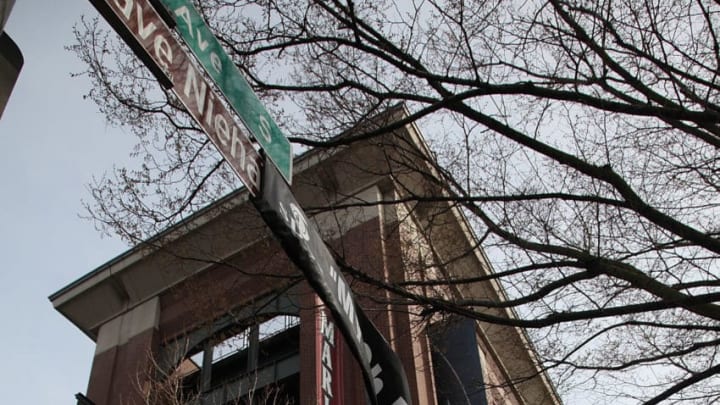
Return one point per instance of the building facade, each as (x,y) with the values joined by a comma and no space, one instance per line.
(213,312)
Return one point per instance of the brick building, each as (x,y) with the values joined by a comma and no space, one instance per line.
(213,312)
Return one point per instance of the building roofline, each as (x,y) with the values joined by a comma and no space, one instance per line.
(235,198)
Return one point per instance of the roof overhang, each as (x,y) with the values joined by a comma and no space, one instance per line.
(151,267)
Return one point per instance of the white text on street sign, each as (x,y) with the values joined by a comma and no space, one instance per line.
(140,19)
(193,29)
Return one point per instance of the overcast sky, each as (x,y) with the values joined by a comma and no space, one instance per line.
(51,144)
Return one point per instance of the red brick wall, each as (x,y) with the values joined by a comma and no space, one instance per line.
(211,293)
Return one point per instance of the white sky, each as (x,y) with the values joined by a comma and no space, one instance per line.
(51,143)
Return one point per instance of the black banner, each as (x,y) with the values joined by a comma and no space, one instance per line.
(385,379)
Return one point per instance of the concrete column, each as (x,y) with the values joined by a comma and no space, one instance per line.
(123,356)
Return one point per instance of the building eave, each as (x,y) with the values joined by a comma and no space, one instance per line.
(108,277)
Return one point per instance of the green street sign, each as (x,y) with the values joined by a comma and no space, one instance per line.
(193,29)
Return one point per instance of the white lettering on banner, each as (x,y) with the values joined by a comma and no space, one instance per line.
(327,380)
(377,382)
(294,216)
(298,223)
(327,331)
(326,356)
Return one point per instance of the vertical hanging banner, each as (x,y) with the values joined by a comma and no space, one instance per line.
(139,24)
(382,371)
(329,368)
(197,35)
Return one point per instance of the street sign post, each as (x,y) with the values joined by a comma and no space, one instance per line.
(192,28)
(144,30)
(384,376)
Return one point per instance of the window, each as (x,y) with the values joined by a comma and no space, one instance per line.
(256,364)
